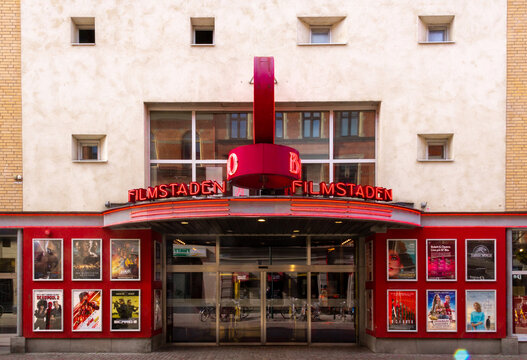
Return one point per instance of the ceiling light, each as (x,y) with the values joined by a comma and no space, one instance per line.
(184,223)
(261,220)
(296,231)
(338,222)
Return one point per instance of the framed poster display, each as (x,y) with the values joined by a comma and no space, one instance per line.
(441,260)
(480,259)
(481,310)
(158,314)
(126,310)
(369,260)
(86,308)
(441,310)
(401,259)
(369,309)
(125,259)
(48,261)
(157,262)
(47,310)
(86,259)
(402,310)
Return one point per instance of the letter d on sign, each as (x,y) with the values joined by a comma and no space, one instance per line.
(294,164)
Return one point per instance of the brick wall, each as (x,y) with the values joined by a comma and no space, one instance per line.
(10,106)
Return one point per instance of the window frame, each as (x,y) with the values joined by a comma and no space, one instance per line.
(238,128)
(311,122)
(82,23)
(276,127)
(439,27)
(319,29)
(349,122)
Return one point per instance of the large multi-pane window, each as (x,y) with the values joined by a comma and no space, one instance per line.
(519,282)
(334,145)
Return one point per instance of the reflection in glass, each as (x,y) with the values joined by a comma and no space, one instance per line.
(240,307)
(8,296)
(333,307)
(354,135)
(170,173)
(286,307)
(519,304)
(519,250)
(191,251)
(221,132)
(308,132)
(168,131)
(332,252)
(363,174)
(191,307)
(263,251)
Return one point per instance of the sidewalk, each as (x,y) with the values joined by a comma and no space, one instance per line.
(253,353)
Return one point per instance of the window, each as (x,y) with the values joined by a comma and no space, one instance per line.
(238,125)
(311,124)
(89,148)
(321,30)
(349,123)
(435,147)
(83,31)
(320,35)
(202,31)
(435,29)
(279,125)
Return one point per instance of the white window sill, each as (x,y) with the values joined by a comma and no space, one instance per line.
(435,160)
(324,44)
(202,45)
(436,42)
(91,161)
(83,44)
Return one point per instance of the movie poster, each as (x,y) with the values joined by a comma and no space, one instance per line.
(158,314)
(481,260)
(47,310)
(481,310)
(369,261)
(126,310)
(402,310)
(441,260)
(157,262)
(441,310)
(87,310)
(47,259)
(126,259)
(401,261)
(369,309)
(86,263)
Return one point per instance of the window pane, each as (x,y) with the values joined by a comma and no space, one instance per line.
(89,152)
(363,174)
(354,135)
(170,173)
(203,36)
(279,125)
(320,36)
(263,251)
(327,251)
(167,133)
(436,151)
(435,35)
(519,304)
(316,128)
(8,296)
(215,132)
(519,251)
(297,134)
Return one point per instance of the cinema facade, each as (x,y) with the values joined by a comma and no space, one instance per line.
(398,226)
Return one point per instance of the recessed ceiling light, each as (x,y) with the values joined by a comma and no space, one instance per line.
(338,222)
(261,220)
(296,230)
(184,223)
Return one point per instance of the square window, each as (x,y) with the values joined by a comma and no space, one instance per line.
(435,29)
(88,147)
(83,30)
(320,35)
(202,30)
(435,147)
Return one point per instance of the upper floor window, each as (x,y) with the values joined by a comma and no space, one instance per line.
(279,125)
(321,30)
(349,123)
(320,35)
(238,125)
(83,31)
(311,124)
(435,29)
(202,31)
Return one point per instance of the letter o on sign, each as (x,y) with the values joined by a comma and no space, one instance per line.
(232,164)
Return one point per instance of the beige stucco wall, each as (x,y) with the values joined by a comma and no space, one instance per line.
(143,55)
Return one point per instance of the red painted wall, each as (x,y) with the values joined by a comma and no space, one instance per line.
(146,284)
(380,285)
